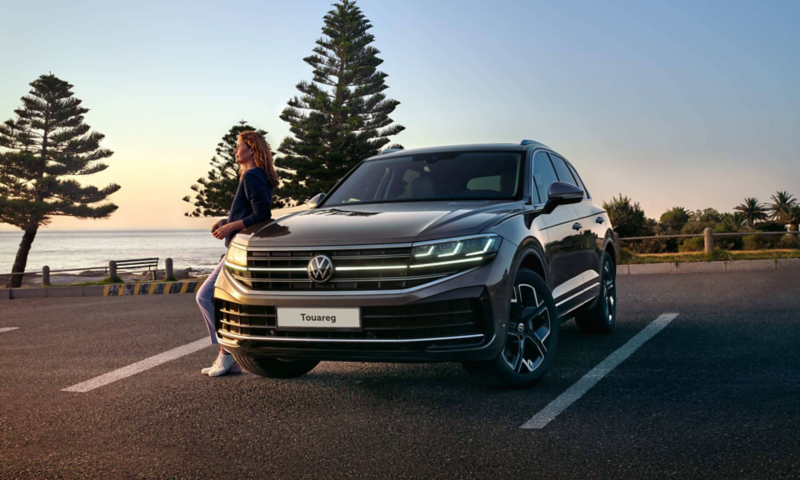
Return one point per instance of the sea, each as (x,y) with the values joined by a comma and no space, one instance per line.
(197,249)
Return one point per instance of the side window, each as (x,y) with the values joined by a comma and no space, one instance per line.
(578,178)
(543,175)
(564,175)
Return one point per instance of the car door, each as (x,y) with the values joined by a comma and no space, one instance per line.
(594,217)
(584,268)
(563,249)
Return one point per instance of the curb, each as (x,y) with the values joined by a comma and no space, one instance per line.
(111,290)
(709,267)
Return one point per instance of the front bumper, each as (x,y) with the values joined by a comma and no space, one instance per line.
(453,319)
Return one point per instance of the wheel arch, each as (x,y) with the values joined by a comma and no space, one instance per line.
(531,256)
(610,247)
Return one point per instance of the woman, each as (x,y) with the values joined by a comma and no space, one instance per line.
(251,205)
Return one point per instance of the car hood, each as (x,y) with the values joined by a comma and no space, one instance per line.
(374,224)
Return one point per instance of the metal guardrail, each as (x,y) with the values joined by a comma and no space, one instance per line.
(690,235)
(134,264)
(709,235)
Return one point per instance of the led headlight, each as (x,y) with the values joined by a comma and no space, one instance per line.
(236,257)
(466,251)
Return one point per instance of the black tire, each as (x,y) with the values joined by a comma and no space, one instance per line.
(602,316)
(509,369)
(276,367)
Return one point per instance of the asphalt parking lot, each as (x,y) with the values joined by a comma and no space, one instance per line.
(714,394)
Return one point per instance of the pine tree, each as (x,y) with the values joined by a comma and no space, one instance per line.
(214,194)
(343,115)
(48,140)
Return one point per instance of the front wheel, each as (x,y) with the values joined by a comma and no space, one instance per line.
(602,316)
(276,367)
(531,337)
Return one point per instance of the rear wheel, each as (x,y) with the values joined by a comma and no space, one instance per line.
(276,367)
(531,337)
(602,316)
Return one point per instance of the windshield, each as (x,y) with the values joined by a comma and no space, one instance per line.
(433,176)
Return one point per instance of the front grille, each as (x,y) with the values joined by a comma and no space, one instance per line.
(294,277)
(451,318)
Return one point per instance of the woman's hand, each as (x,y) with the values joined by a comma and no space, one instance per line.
(222,231)
(220,222)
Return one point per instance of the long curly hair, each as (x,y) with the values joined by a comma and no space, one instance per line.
(262,155)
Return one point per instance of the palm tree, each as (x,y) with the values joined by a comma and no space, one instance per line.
(792,216)
(752,210)
(782,201)
(734,219)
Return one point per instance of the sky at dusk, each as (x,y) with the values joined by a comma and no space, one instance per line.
(671,103)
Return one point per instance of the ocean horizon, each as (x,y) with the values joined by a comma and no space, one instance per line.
(62,249)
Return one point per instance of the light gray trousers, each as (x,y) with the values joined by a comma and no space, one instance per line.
(205,300)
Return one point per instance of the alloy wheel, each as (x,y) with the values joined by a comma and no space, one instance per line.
(610,293)
(528,329)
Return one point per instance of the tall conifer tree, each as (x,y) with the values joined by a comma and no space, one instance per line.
(343,115)
(46,141)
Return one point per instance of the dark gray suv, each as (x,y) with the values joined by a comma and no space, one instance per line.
(470,254)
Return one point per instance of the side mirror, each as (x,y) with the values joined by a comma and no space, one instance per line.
(316,200)
(561,193)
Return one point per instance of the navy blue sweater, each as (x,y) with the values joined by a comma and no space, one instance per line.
(251,204)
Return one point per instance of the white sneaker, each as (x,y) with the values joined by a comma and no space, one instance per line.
(224,364)
(214,365)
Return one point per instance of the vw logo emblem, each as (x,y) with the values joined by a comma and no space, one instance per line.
(320,268)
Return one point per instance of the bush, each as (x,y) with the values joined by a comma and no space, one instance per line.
(727,243)
(789,241)
(625,255)
(628,217)
(661,245)
(755,242)
(718,255)
(694,244)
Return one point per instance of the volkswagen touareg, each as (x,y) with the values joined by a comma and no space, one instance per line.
(470,254)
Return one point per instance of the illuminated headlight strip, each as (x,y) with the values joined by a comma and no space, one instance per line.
(382,267)
(255,269)
(234,266)
(485,249)
(451,262)
(454,252)
(346,269)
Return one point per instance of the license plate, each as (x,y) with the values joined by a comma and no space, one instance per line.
(311,318)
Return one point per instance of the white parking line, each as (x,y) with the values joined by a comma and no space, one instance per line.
(8,329)
(576,391)
(139,367)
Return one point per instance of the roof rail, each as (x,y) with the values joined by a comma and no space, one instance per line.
(526,142)
(391,150)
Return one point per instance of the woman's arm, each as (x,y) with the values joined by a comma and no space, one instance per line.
(219,223)
(259,194)
(227,228)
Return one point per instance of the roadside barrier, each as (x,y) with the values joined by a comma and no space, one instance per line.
(708,236)
(167,288)
(111,290)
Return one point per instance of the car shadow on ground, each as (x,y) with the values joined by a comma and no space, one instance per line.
(439,387)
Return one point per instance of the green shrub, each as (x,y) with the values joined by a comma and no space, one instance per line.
(661,245)
(718,255)
(727,243)
(694,244)
(755,242)
(625,255)
(789,241)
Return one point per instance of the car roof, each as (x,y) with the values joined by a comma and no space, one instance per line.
(493,147)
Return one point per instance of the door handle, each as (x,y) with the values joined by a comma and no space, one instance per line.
(599,220)
(576,226)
